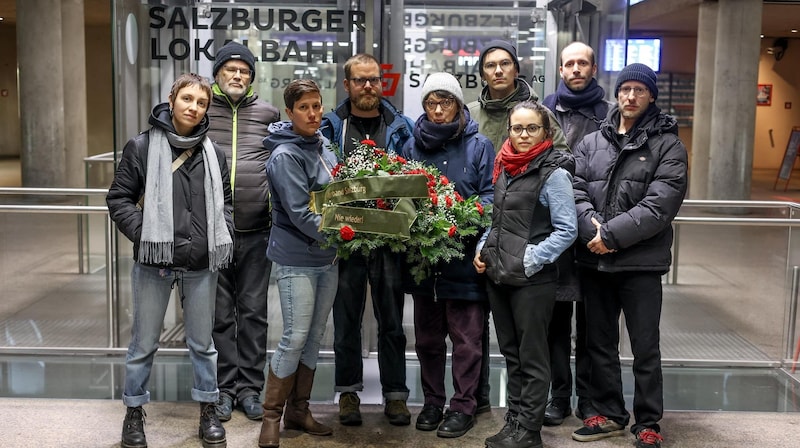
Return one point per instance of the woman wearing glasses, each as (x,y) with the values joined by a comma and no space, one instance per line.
(533,222)
(452,300)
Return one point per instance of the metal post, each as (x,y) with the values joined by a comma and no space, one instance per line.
(111,299)
(81,270)
(676,240)
(792,312)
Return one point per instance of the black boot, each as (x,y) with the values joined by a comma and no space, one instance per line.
(133,429)
(519,437)
(211,430)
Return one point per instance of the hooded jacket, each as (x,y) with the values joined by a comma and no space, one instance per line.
(238,130)
(468,161)
(303,165)
(188,194)
(634,191)
(492,115)
(398,126)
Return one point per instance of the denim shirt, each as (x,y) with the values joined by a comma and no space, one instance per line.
(556,194)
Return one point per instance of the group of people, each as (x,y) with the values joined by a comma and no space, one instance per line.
(583,193)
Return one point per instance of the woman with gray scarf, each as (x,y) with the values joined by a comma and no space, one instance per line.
(171,197)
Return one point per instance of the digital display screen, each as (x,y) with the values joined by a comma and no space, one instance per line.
(645,51)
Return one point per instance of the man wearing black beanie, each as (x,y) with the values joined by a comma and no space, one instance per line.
(630,181)
(238,123)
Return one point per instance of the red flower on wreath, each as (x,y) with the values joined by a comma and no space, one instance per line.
(444,180)
(369,142)
(448,201)
(382,204)
(479,206)
(452,231)
(347,233)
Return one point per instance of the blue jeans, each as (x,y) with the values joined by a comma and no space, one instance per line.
(151,293)
(307,294)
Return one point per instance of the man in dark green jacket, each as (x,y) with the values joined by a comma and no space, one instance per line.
(239,121)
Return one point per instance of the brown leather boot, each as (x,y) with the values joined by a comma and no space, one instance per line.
(297,415)
(278,390)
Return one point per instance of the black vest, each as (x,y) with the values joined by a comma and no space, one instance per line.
(519,219)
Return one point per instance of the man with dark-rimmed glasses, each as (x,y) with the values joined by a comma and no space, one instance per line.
(366,115)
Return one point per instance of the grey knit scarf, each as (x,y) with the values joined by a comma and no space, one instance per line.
(157,243)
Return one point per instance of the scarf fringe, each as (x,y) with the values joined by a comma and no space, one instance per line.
(156,252)
(220,257)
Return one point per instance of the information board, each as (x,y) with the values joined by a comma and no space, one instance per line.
(791,153)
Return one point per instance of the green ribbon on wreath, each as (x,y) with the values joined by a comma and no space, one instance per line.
(396,222)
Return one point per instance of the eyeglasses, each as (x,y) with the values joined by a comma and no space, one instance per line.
(637,91)
(231,71)
(446,104)
(505,64)
(361,82)
(517,129)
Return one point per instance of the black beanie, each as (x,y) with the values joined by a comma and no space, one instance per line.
(638,72)
(503,45)
(234,50)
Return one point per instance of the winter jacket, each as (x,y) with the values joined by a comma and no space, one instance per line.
(188,195)
(467,161)
(634,191)
(303,165)
(580,122)
(238,130)
(533,223)
(398,126)
(492,115)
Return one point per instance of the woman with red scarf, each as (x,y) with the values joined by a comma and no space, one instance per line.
(533,222)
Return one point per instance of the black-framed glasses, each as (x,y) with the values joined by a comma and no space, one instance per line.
(446,104)
(231,71)
(637,91)
(505,64)
(361,82)
(517,129)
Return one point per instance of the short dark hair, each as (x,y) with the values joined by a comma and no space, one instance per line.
(297,88)
(190,79)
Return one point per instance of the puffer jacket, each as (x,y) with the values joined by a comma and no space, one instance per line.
(188,195)
(238,130)
(398,126)
(492,115)
(304,165)
(634,191)
(468,161)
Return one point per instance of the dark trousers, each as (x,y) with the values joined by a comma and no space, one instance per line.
(462,320)
(240,319)
(382,269)
(560,342)
(484,388)
(638,295)
(521,319)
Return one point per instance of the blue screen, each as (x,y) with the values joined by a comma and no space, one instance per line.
(645,51)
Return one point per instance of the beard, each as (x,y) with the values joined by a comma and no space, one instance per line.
(367,101)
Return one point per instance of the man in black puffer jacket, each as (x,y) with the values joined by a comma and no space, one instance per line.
(239,121)
(630,181)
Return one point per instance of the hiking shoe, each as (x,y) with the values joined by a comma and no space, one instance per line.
(397,411)
(648,438)
(596,428)
(556,411)
(252,408)
(210,429)
(429,418)
(133,428)
(349,414)
(224,407)
(510,418)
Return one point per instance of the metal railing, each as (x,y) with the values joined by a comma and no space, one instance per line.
(82,211)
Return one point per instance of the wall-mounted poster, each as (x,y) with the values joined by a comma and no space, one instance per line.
(764,95)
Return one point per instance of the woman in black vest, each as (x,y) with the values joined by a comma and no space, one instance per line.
(533,222)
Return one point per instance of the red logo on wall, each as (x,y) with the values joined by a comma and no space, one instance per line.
(390,80)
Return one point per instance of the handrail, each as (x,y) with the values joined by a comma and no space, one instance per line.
(110,253)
